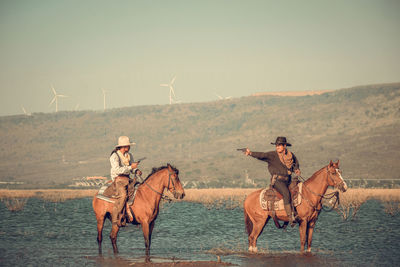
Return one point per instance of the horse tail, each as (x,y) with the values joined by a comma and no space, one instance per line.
(248,223)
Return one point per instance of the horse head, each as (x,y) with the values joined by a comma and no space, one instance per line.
(174,184)
(335,178)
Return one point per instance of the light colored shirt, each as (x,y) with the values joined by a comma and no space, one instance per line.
(118,167)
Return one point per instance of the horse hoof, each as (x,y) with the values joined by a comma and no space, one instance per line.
(253,249)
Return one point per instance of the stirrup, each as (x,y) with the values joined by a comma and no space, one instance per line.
(293,220)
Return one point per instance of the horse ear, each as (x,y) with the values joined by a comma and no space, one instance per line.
(337,163)
(169,166)
(330,163)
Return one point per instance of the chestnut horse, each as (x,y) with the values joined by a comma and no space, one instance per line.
(313,191)
(145,208)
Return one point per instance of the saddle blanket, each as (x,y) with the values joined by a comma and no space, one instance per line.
(100,195)
(270,201)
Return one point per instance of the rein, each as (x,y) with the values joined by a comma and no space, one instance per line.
(328,196)
(162,194)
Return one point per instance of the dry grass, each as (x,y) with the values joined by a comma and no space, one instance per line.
(14,204)
(229,198)
(53,195)
(392,208)
(352,200)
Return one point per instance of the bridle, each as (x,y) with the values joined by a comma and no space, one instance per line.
(328,196)
(336,185)
(170,181)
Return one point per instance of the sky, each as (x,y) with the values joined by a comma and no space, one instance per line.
(225,47)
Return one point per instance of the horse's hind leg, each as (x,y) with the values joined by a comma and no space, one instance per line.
(258,226)
(100,224)
(113,237)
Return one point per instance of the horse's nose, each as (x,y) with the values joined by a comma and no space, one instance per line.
(182,195)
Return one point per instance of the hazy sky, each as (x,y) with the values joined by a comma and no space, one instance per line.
(232,48)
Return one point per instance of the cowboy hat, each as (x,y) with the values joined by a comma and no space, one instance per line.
(124,141)
(281,140)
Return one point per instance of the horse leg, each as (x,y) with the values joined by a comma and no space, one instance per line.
(100,225)
(146,232)
(310,230)
(258,226)
(151,227)
(113,237)
(302,232)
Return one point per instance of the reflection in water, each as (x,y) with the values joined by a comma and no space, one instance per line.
(46,233)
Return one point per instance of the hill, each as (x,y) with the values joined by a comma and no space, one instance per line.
(360,126)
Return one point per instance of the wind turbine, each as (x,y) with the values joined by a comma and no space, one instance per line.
(26,113)
(171,89)
(56,96)
(223,98)
(104,99)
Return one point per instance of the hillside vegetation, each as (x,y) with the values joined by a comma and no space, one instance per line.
(360,126)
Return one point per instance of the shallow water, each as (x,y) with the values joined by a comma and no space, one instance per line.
(46,233)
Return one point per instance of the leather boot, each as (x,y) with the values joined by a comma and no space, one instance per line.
(291,218)
(115,218)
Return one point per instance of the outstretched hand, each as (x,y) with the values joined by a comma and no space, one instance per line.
(134,165)
(298,172)
(247,152)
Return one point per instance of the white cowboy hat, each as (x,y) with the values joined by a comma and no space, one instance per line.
(124,141)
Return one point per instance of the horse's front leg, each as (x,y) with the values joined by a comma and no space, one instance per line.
(151,227)
(303,232)
(310,230)
(113,236)
(146,235)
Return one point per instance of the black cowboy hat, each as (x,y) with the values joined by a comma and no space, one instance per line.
(281,140)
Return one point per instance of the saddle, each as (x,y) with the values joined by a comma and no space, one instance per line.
(272,200)
(108,193)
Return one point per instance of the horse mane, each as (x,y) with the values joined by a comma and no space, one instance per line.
(316,174)
(154,170)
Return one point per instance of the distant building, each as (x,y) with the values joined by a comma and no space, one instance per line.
(293,93)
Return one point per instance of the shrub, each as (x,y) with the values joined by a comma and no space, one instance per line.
(14,204)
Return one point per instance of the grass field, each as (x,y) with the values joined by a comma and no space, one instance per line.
(205,196)
(227,198)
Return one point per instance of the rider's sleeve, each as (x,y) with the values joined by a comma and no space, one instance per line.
(131,161)
(264,156)
(296,165)
(115,168)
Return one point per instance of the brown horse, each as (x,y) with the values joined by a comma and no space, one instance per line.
(313,191)
(145,207)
